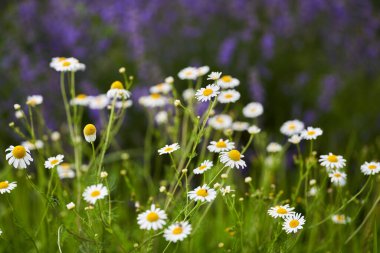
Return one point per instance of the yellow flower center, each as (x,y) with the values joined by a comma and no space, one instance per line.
(219,120)
(95,193)
(202,193)
(372,167)
(177,230)
(338,175)
(228,95)
(60,59)
(152,217)
(234,155)
(227,79)
(294,223)
(292,126)
(332,158)
(89,129)
(282,210)
(19,152)
(310,132)
(202,167)
(65,166)
(189,73)
(340,217)
(4,185)
(155,95)
(168,149)
(117,85)
(54,162)
(207,92)
(221,144)
(160,85)
(81,96)
(66,63)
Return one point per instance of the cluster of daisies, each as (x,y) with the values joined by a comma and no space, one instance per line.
(292,221)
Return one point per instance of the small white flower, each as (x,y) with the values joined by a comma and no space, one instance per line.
(205,165)
(226,190)
(313,191)
(281,211)
(274,147)
(153,100)
(94,192)
(80,99)
(202,193)
(177,102)
(161,117)
(19,114)
(232,159)
(70,206)
(338,178)
(89,132)
(188,94)
(162,188)
(292,127)
(311,133)
(247,179)
(6,187)
(169,80)
(65,170)
(295,139)
(220,121)
(253,110)
(203,70)
(103,174)
(34,100)
(154,218)
(370,168)
(189,73)
(228,82)
(332,161)
(254,129)
(214,76)
(240,126)
(206,94)
(18,156)
(124,104)
(163,88)
(53,161)
(220,146)
(38,144)
(62,64)
(169,149)
(340,219)
(177,231)
(293,223)
(99,102)
(55,136)
(117,90)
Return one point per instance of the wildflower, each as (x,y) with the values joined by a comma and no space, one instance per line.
(295,139)
(202,193)
(18,156)
(6,187)
(340,219)
(227,82)
(274,147)
(117,90)
(121,70)
(292,127)
(220,146)
(177,231)
(16,107)
(153,100)
(188,94)
(205,94)
(203,70)
(332,161)
(94,192)
(53,161)
(189,73)
(80,99)
(123,104)
(281,211)
(162,188)
(220,121)
(177,102)
(214,76)
(163,88)
(62,64)
(338,178)
(34,100)
(154,218)
(370,168)
(103,174)
(226,190)
(37,144)
(161,117)
(55,136)
(19,114)
(240,126)
(253,129)
(247,180)
(89,132)
(313,191)
(232,159)
(98,102)
(169,80)
(311,133)
(253,110)
(293,223)
(205,165)
(70,206)
(65,170)
(169,149)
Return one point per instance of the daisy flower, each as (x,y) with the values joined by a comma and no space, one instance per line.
(370,168)
(292,127)
(6,187)
(281,211)
(253,129)
(53,161)
(203,70)
(205,165)
(227,82)
(80,99)
(169,80)
(221,146)
(232,159)
(65,170)
(154,218)
(226,190)
(228,96)
(177,231)
(253,110)
(214,76)
(168,149)
(188,94)
(117,90)
(240,126)
(274,147)
(161,117)
(163,88)
(202,193)
(153,100)
(34,100)
(189,73)
(338,178)
(205,94)
(295,139)
(18,156)
(220,122)
(340,219)
(332,161)
(293,223)
(62,64)
(99,102)
(123,104)
(311,133)
(38,144)
(89,132)
(94,192)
